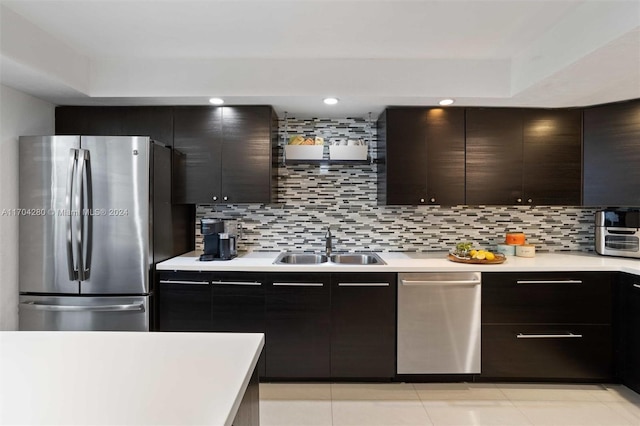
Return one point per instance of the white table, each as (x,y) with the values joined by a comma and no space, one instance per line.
(115,378)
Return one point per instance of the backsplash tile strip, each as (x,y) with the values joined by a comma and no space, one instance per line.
(344,196)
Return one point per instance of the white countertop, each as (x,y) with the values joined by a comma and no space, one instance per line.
(410,262)
(116,378)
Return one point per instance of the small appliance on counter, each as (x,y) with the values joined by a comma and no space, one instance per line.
(220,239)
(618,233)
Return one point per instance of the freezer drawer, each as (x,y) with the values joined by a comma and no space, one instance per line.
(79,313)
(439,323)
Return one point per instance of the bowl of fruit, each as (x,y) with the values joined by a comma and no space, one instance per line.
(465,253)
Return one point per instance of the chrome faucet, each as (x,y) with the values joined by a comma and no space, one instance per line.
(327,241)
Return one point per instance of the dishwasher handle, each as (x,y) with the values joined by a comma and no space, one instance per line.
(427,283)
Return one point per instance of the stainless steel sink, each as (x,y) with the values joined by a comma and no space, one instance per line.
(300,259)
(288,258)
(357,259)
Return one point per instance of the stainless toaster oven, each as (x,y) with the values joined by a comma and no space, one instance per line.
(618,233)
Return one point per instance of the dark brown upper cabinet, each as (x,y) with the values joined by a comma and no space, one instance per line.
(523,156)
(153,121)
(611,167)
(225,154)
(421,156)
(552,153)
(494,156)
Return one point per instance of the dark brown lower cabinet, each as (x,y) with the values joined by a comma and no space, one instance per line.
(547,297)
(184,302)
(363,331)
(298,326)
(630,331)
(237,305)
(547,326)
(237,302)
(547,352)
(316,325)
(212,302)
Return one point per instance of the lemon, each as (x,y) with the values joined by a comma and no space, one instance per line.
(490,256)
(480,255)
(473,253)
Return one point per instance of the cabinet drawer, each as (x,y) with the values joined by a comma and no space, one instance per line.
(566,297)
(568,352)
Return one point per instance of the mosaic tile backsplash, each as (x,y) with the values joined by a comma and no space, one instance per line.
(313,197)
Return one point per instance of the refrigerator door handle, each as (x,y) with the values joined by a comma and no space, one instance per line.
(73,156)
(79,201)
(89,203)
(83,308)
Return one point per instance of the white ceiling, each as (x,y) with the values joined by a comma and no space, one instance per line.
(291,54)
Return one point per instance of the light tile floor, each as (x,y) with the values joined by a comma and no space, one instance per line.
(447,404)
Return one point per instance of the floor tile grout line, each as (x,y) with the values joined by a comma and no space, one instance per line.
(431,422)
(529,419)
(331,401)
(503,393)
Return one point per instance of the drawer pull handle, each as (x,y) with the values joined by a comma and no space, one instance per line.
(441,283)
(236,282)
(363,284)
(636,285)
(183,282)
(298,284)
(548,336)
(549,282)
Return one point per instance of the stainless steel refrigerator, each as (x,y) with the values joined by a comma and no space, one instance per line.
(95,216)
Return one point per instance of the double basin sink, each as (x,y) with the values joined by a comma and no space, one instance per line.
(287,258)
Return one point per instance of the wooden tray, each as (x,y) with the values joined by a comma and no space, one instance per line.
(500,258)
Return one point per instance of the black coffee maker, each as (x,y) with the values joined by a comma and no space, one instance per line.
(219,240)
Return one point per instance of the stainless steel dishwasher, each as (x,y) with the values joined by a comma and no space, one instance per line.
(439,323)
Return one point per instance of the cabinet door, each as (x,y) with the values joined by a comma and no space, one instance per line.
(155,122)
(363,325)
(238,302)
(238,305)
(567,352)
(198,138)
(405,156)
(89,121)
(445,156)
(552,157)
(298,329)
(246,153)
(630,334)
(422,152)
(184,302)
(494,156)
(612,155)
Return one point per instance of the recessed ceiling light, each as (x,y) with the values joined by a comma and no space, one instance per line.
(216,101)
(330,101)
(446,102)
